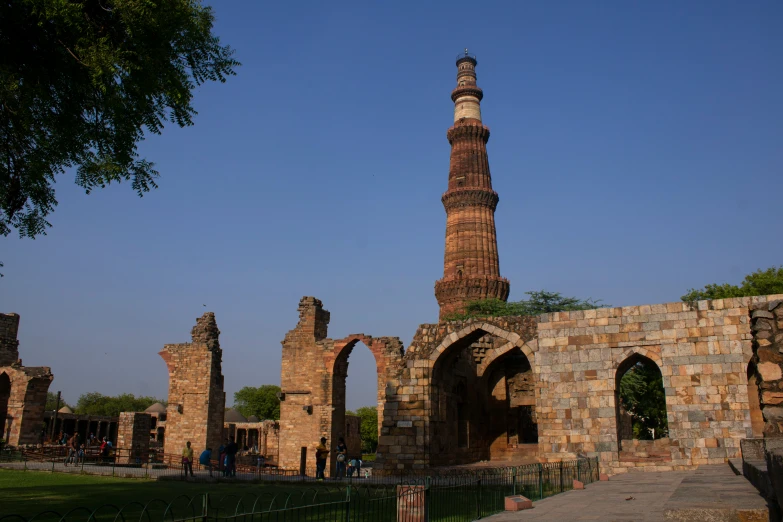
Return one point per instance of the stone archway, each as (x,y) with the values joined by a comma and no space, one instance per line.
(647,364)
(473,395)
(341,352)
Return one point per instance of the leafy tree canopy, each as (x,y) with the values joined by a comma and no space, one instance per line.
(368,427)
(96,404)
(80,83)
(261,402)
(760,282)
(51,402)
(540,302)
(642,395)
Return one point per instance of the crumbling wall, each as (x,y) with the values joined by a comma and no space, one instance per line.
(196,400)
(22,389)
(314,368)
(9,344)
(133,437)
(767,330)
(702,350)
(353,435)
(435,405)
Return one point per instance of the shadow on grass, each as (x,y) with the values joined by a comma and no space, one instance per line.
(31,493)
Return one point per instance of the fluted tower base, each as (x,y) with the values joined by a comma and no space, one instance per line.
(454,294)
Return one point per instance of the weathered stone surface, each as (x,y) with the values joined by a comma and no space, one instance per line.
(196,400)
(770,371)
(471,268)
(22,389)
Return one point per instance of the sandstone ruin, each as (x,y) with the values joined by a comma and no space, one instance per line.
(543,387)
(22,389)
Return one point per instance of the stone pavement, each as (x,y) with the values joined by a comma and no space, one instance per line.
(710,493)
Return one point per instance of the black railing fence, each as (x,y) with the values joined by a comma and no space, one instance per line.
(449,495)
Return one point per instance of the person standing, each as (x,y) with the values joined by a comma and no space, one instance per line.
(231,458)
(73,449)
(342,456)
(205,459)
(321,452)
(187,459)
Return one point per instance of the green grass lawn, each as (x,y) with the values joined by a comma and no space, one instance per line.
(28,493)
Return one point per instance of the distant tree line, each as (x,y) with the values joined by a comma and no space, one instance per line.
(94,403)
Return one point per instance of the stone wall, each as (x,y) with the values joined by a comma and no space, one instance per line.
(436,405)
(196,400)
(9,345)
(133,437)
(353,435)
(767,329)
(22,389)
(702,350)
(462,389)
(314,369)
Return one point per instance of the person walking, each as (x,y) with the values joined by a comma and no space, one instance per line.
(205,459)
(187,459)
(342,456)
(321,452)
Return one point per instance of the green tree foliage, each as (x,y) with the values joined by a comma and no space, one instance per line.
(261,402)
(760,282)
(540,302)
(642,395)
(51,402)
(81,81)
(368,427)
(96,404)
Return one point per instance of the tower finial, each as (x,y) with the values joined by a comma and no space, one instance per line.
(466,51)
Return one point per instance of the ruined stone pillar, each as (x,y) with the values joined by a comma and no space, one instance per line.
(305,406)
(196,400)
(133,437)
(22,390)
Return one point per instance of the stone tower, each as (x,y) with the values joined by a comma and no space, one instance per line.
(471,269)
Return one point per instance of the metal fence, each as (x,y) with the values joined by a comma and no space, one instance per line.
(443,495)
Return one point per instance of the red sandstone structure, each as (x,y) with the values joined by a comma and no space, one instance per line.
(196,400)
(471,270)
(22,390)
(545,387)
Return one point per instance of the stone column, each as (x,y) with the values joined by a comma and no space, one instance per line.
(196,398)
(133,437)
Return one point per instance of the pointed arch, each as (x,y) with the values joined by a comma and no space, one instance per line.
(636,352)
(529,349)
(626,422)
(474,331)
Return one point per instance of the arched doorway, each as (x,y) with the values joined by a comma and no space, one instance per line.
(367,374)
(512,430)
(754,404)
(482,404)
(5,396)
(640,400)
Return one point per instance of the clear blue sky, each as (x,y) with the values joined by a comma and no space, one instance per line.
(637,148)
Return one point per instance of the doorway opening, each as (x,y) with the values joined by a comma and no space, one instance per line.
(640,399)
(356,396)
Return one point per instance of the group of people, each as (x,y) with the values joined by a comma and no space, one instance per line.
(353,465)
(227,459)
(76,449)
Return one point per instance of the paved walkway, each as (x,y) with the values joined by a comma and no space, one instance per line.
(712,493)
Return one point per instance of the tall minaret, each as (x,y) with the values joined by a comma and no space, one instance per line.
(471,270)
